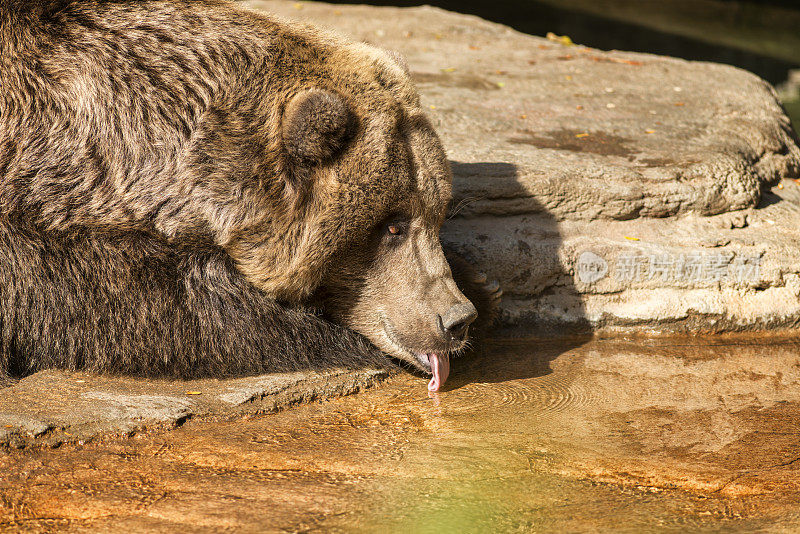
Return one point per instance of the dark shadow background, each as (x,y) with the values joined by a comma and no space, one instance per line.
(762,36)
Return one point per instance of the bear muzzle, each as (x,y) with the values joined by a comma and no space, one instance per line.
(454,324)
(452,328)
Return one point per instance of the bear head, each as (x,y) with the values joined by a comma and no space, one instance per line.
(366,187)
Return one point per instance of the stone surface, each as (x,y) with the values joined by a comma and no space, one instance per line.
(54,407)
(563,150)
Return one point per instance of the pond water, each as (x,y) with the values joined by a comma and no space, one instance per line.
(638,435)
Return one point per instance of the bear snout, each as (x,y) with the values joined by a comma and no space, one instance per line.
(454,323)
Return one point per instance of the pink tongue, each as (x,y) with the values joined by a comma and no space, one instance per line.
(440,365)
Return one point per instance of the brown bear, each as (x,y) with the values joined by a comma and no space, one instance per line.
(300,162)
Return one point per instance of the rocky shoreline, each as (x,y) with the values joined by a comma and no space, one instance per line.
(607,192)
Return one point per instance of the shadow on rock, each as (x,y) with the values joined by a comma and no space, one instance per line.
(522,253)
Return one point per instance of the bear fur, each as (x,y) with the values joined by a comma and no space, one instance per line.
(130,303)
(206,138)
(197,121)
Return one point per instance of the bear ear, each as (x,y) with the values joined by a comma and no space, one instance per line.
(400,60)
(316,126)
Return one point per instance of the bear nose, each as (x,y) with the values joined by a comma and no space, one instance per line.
(456,321)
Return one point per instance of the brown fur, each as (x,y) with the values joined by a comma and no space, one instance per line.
(208,126)
(130,303)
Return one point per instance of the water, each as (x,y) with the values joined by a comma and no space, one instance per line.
(575,435)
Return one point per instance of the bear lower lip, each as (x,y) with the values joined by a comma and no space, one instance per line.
(440,367)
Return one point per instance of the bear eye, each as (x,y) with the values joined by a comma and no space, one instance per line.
(394,230)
